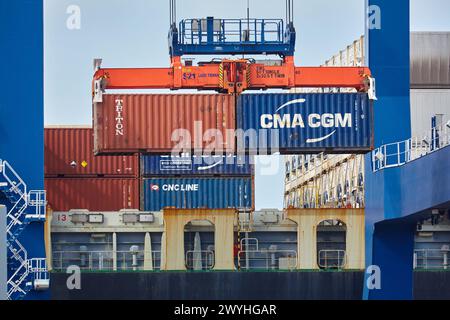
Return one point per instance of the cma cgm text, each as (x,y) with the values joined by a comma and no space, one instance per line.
(314,120)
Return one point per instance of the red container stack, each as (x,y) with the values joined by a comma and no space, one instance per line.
(76,179)
(94,194)
(69,153)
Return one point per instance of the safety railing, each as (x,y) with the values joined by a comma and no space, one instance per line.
(37,199)
(250,244)
(25,274)
(400,153)
(195,31)
(111,261)
(332,259)
(431,259)
(37,268)
(16,280)
(200,260)
(267,259)
(15,182)
(16,214)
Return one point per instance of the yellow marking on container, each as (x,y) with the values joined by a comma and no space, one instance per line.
(221,83)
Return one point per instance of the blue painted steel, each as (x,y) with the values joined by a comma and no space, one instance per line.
(308,123)
(194,193)
(196,166)
(406,195)
(232,36)
(22,115)
(3,255)
(421,185)
(390,244)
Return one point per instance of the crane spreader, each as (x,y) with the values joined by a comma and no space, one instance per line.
(213,36)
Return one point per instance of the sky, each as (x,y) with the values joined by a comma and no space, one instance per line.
(133,33)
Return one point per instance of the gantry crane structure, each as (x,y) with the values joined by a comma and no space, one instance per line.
(231,37)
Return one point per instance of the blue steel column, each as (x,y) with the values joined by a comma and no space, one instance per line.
(22,104)
(389,241)
(3,255)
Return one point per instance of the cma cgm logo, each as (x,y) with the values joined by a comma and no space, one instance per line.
(313,120)
(176,187)
(119,117)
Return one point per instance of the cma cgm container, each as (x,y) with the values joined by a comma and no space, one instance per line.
(307,123)
(69,152)
(194,193)
(94,194)
(196,166)
(125,124)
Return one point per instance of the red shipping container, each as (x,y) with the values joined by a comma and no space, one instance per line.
(125,124)
(94,194)
(69,151)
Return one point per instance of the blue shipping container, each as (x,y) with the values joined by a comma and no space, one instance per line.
(188,193)
(196,166)
(307,123)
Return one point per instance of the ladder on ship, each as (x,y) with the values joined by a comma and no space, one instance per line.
(23,208)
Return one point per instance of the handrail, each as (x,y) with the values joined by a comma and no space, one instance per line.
(332,259)
(397,154)
(21,200)
(207,259)
(14,185)
(245,244)
(192,31)
(38,200)
(431,259)
(15,215)
(103,260)
(267,259)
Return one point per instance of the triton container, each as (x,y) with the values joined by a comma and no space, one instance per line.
(69,152)
(94,194)
(306,123)
(128,124)
(196,166)
(195,193)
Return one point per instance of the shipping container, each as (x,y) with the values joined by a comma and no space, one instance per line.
(69,152)
(196,166)
(306,123)
(94,194)
(426,103)
(195,193)
(127,124)
(430,60)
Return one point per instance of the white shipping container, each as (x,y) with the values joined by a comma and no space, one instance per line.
(425,103)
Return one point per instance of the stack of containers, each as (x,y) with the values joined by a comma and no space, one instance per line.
(215,182)
(151,123)
(76,179)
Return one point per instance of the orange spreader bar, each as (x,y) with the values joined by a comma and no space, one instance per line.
(234,76)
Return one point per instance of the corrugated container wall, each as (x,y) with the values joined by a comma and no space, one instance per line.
(196,166)
(425,103)
(69,151)
(94,194)
(430,60)
(309,123)
(146,123)
(194,193)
